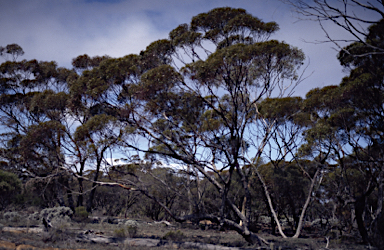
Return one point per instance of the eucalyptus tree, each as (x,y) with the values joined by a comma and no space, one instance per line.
(11,50)
(92,129)
(27,103)
(193,99)
(362,91)
(348,124)
(33,107)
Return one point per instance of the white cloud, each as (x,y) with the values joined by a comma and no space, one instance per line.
(62,30)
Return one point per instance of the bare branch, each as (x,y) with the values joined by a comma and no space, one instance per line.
(344,17)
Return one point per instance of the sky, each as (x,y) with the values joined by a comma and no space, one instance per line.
(60,30)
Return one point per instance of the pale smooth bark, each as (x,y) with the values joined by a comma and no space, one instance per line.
(268,196)
(305,207)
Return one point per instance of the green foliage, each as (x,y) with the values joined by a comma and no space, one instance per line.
(94,125)
(182,36)
(81,213)
(221,26)
(157,53)
(285,109)
(83,62)
(12,49)
(115,201)
(120,232)
(349,117)
(41,146)
(157,87)
(10,187)
(271,58)
(126,231)
(174,235)
(49,103)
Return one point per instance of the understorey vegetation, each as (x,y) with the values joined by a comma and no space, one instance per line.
(206,130)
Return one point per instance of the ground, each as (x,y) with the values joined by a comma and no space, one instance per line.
(151,235)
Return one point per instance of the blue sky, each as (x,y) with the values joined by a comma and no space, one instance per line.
(60,30)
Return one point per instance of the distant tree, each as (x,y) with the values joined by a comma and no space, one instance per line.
(13,50)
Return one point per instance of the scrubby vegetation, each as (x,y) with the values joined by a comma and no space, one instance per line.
(117,233)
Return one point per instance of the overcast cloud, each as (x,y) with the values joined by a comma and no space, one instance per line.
(60,30)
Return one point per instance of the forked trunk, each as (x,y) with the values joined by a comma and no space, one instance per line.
(268,196)
(94,184)
(305,207)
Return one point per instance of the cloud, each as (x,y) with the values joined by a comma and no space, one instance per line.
(62,30)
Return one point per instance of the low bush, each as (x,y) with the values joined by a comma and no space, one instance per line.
(81,214)
(10,187)
(126,231)
(12,216)
(174,236)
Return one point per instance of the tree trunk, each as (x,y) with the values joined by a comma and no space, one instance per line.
(224,196)
(91,197)
(272,210)
(59,191)
(246,204)
(273,222)
(377,231)
(359,206)
(243,208)
(94,184)
(305,207)
(377,228)
(359,209)
(189,193)
(80,198)
(380,196)
(69,193)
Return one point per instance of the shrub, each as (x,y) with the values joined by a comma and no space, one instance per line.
(56,215)
(12,216)
(56,212)
(81,214)
(55,235)
(174,236)
(126,231)
(119,232)
(10,187)
(132,230)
